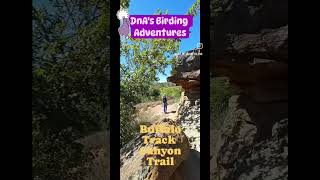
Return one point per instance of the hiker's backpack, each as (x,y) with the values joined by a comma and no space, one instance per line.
(164,99)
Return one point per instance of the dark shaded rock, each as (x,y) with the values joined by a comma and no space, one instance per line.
(267,159)
(250,47)
(246,17)
(252,143)
(250,16)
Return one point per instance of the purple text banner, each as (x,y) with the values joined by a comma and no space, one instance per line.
(160,26)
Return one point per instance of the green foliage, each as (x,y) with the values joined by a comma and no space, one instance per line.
(220,92)
(70,82)
(144,59)
(70,66)
(124,4)
(154,93)
(173,91)
(195,8)
(127,130)
(58,157)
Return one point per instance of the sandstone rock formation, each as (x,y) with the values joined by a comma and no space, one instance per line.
(189,119)
(250,47)
(134,166)
(186,73)
(241,151)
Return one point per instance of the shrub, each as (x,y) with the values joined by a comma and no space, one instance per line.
(220,92)
(70,84)
(58,156)
(172,91)
(154,93)
(127,129)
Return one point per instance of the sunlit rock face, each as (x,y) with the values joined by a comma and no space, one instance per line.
(186,73)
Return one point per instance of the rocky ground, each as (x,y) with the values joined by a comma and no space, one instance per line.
(153,111)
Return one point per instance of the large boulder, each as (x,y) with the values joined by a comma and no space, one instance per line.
(189,120)
(267,159)
(250,47)
(248,19)
(237,133)
(134,165)
(186,73)
(250,146)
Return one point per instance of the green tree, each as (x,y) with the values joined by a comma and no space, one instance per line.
(220,92)
(70,83)
(195,8)
(143,60)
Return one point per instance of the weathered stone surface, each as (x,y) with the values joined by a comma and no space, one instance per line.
(249,16)
(240,17)
(267,159)
(189,169)
(250,146)
(257,64)
(189,118)
(186,72)
(134,165)
(237,133)
(250,47)
(268,44)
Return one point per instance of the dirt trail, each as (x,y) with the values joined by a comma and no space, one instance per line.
(153,111)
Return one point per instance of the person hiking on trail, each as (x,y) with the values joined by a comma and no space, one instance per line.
(164,100)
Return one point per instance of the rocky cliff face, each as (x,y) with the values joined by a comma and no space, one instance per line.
(187,74)
(134,165)
(250,47)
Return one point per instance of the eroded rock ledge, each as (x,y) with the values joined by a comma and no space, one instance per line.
(134,166)
(250,47)
(187,74)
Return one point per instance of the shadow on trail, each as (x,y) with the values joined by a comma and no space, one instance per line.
(170,112)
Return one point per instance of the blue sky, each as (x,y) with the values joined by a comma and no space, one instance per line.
(174,7)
